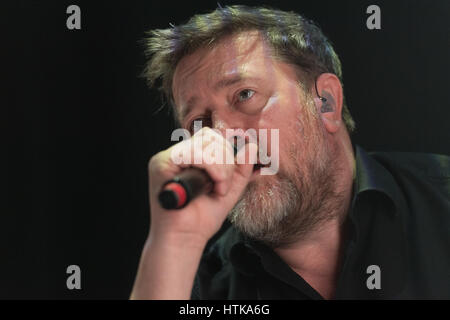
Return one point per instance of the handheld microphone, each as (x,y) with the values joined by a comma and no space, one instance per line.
(179,191)
(190,183)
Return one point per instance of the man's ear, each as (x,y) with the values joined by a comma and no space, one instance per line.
(330,100)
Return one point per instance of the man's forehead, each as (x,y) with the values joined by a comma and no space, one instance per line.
(229,48)
(229,56)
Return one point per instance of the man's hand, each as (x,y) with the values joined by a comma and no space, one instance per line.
(177,237)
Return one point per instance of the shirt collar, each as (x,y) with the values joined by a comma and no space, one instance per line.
(371,175)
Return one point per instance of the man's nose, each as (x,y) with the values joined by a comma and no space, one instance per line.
(233,127)
(219,123)
(228,120)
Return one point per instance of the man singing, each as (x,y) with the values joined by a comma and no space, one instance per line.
(334,222)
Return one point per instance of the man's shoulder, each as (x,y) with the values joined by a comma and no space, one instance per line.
(414,164)
(417,183)
(422,179)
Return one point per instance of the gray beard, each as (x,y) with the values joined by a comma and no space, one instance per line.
(290,207)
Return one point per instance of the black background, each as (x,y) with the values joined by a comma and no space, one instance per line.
(79,125)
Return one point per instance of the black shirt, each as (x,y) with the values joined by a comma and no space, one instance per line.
(399,222)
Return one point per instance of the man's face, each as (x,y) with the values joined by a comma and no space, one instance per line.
(238,84)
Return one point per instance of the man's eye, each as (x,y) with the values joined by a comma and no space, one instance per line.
(245,95)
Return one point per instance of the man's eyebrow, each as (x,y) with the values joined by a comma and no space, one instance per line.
(223,83)
(228,81)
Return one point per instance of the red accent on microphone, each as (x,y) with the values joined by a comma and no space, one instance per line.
(179,190)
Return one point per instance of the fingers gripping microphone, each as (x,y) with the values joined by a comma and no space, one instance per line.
(190,183)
